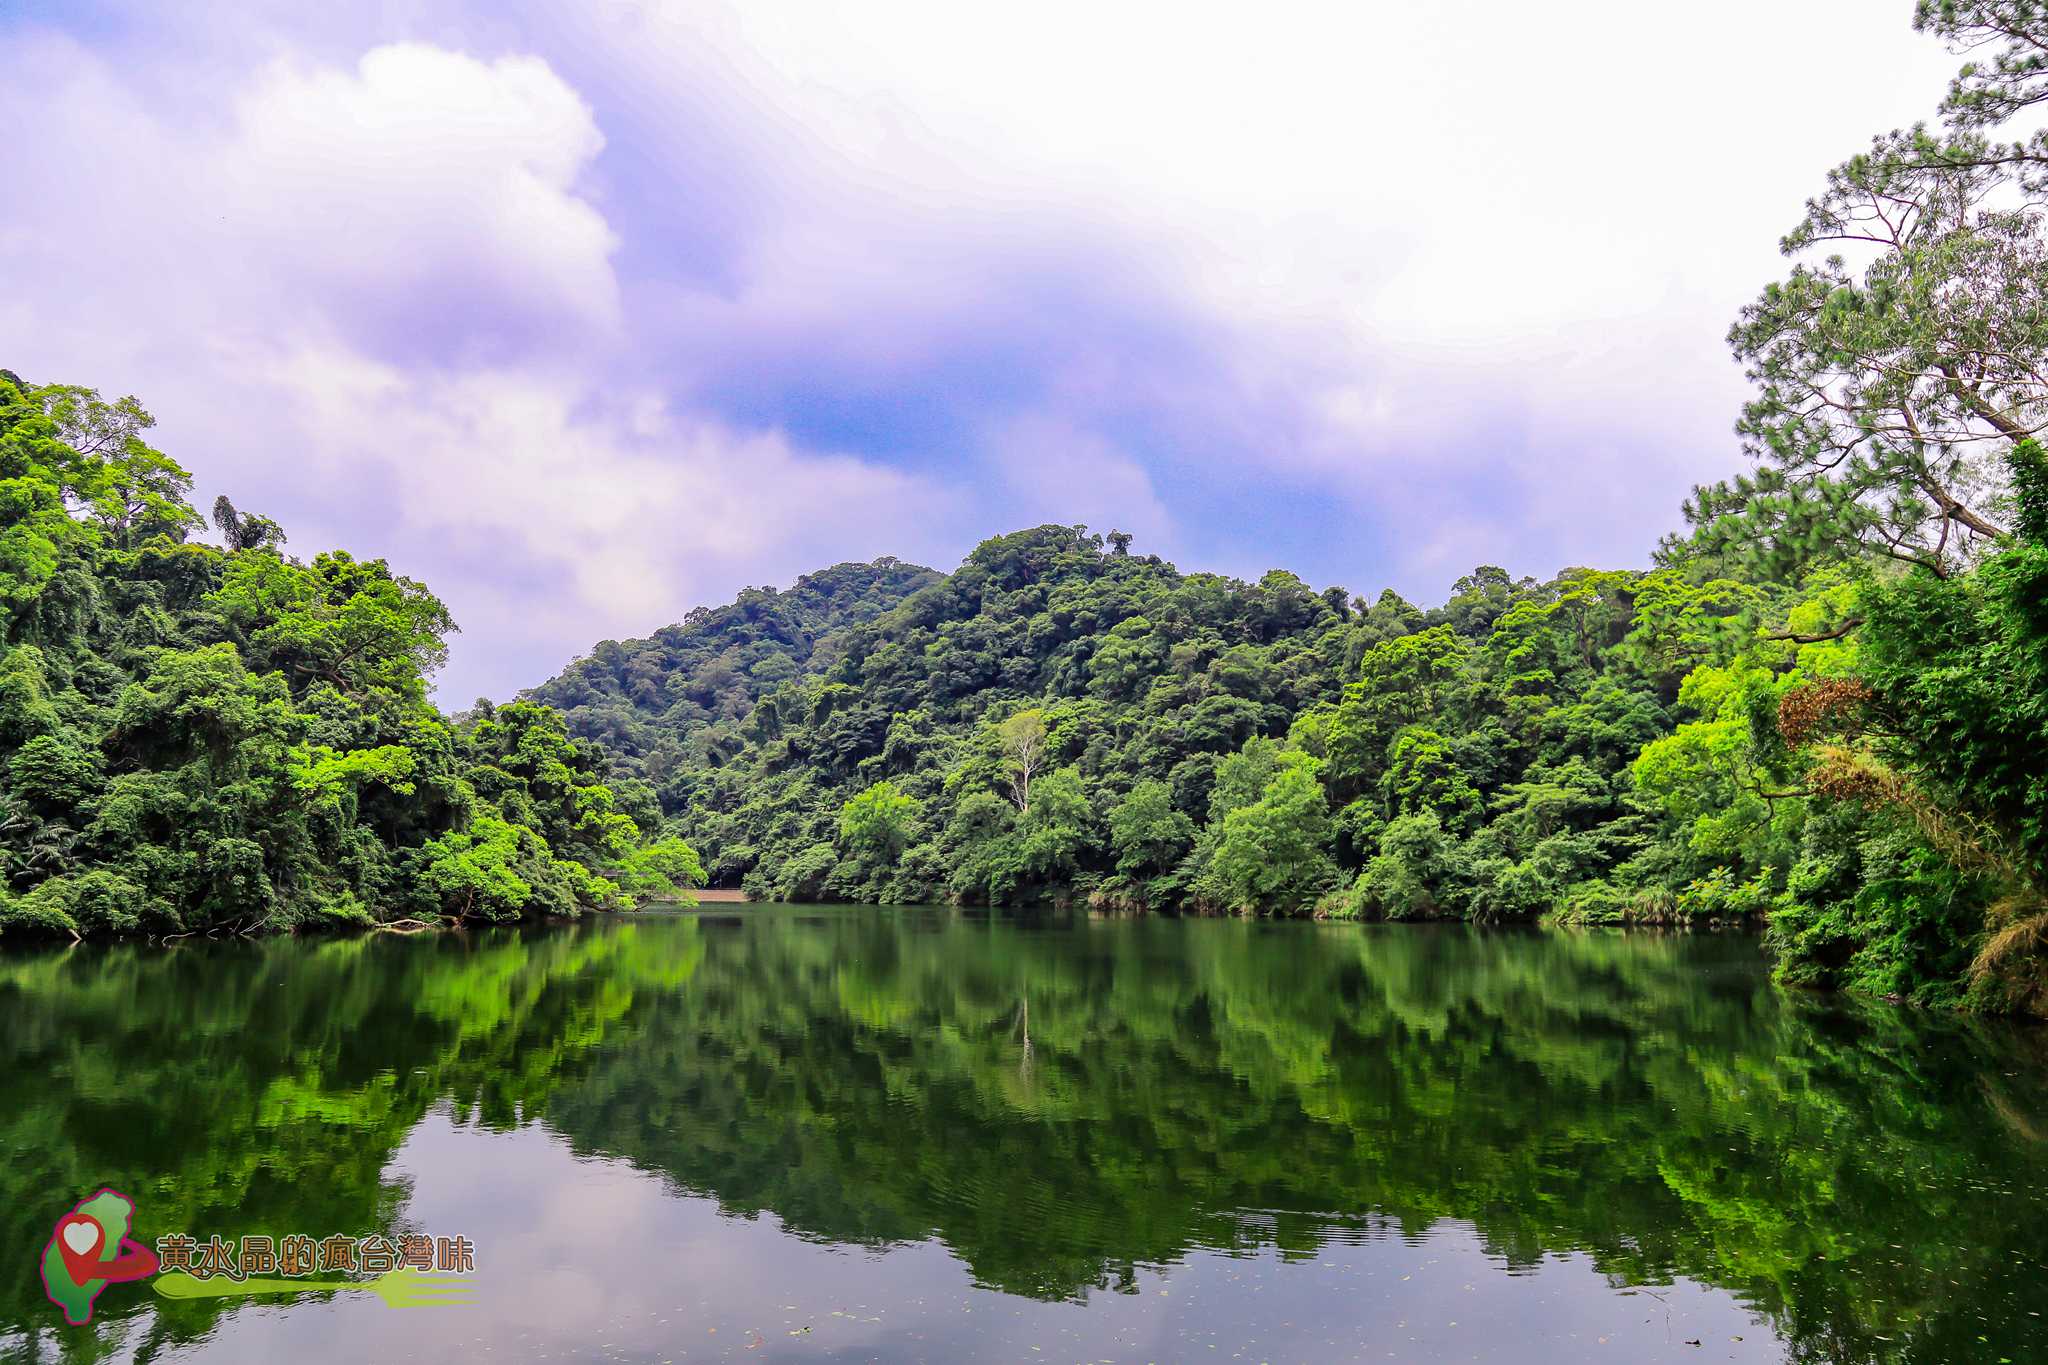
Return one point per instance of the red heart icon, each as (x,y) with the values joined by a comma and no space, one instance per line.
(78,1241)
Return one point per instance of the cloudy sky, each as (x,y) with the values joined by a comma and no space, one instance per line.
(588,314)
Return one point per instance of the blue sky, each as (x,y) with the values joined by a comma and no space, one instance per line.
(586,315)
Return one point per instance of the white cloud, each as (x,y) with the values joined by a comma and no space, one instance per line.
(421,171)
(418,193)
(551,516)
(1440,181)
(374,301)
(1418,249)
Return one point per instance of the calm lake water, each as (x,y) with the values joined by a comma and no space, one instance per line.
(786,1133)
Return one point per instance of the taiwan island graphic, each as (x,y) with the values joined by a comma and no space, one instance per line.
(90,1249)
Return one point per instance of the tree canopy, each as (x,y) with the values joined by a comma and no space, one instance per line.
(1819,710)
(230,739)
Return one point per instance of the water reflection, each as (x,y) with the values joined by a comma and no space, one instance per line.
(1097,1137)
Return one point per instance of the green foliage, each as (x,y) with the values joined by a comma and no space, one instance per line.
(1415,875)
(1884,393)
(982,851)
(1022,739)
(877,824)
(1423,774)
(351,625)
(664,869)
(1871,907)
(1049,674)
(95,902)
(1054,722)
(1058,826)
(1950,900)
(1874,786)
(1713,776)
(1960,671)
(474,872)
(1274,853)
(2006,74)
(1148,834)
(1718,896)
(196,739)
(688,694)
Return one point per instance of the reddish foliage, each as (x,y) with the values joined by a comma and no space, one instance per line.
(1832,706)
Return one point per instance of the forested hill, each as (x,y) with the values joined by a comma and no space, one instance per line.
(226,738)
(1059,718)
(685,689)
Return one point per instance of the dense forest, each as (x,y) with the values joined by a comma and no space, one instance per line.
(649,700)
(202,739)
(1823,710)
(1064,721)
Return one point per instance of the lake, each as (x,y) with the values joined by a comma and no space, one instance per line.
(792,1133)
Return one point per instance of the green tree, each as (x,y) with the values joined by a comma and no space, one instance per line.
(877,824)
(347,623)
(1414,875)
(665,869)
(2006,74)
(1148,833)
(1885,392)
(1401,681)
(1274,853)
(1059,826)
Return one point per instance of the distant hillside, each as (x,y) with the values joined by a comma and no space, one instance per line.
(1128,671)
(669,698)
(1060,720)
